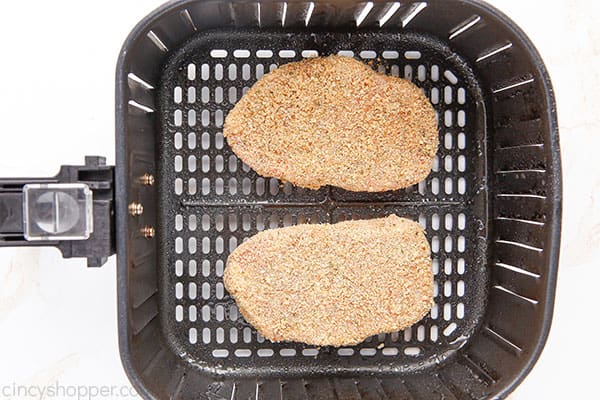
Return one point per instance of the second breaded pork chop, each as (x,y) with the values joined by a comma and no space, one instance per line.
(333,284)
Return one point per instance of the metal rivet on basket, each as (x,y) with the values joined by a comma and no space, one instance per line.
(148,232)
(136,209)
(147,179)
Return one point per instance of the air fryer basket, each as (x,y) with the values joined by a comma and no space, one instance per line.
(491,206)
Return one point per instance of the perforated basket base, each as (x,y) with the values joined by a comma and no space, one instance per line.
(210,202)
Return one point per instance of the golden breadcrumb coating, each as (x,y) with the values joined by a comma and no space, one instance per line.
(335,121)
(333,284)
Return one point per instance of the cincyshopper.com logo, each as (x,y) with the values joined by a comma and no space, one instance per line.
(58,391)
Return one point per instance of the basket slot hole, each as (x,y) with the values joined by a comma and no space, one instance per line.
(421,333)
(205,268)
(448,266)
(390,55)
(460,266)
(310,53)
(193,335)
(219,315)
(206,290)
(345,53)
(448,186)
(179,290)
(287,54)
(191,95)
(233,312)
(179,245)
(219,140)
(192,245)
(218,95)
(433,333)
(205,245)
(435,73)
(264,54)
(246,186)
(265,353)
(460,310)
(435,186)
(247,335)
(435,222)
(434,313)
(448,94)
(447,313)
(435,244)
(178,119)
(233,335)
(412,55)
(448,140)
(179,313)
(218,53)
(178,222)
(435,266)
(389,351)
(192,163)
(193,268)
(205,72)
(408,72)
(462,161)
(345,352)
(191,72)
(448,118)
(191,140)
(193,313)
(462,140)
(450,329)
(232,95)
(232,72)
(447,288)
(220,353)
(241,53)
(287,352)
(245,72)
(243,353)
(206,335)
(219,290)
(448,222)
(435,95)
(219,245)
(368,352)
(191,118)
(178,186)
(220,335)
(219,266)
(310,352)
(218,70)
(177,94)
(412,351)
(422,73)
(178,268)
(367,54)
(206,316)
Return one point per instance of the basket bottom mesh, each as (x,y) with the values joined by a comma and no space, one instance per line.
(210,202)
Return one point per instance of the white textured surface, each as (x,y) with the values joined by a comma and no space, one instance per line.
(58,319)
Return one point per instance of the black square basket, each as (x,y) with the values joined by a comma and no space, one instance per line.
(491,206)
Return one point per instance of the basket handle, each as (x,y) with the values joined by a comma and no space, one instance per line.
(72,211)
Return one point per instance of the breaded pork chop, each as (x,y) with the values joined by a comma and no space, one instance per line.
(335,121)
(333,284)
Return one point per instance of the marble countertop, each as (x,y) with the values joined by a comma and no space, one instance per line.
(58,319)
